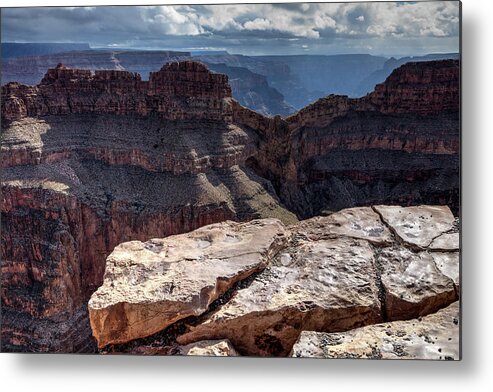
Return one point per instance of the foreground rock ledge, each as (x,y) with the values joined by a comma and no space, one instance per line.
(326,274)
(148,286)
(432,337)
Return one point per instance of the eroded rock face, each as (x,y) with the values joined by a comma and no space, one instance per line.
(398,145)
(179,91)
(148,286)
(432,337)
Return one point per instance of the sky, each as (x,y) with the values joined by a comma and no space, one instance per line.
(379,28)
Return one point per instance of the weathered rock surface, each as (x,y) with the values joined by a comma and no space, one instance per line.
(148,286)
(359,222)
(446,241)
(210,348)
(352,273)
(207,348)
(432,337)
(418,226)
(327,284)
(413,284)
(448,263)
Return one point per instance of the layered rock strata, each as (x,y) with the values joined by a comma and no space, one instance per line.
(179,91)
(397,145)
(77,183)
(326,274)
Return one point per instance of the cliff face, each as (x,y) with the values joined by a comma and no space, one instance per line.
(93,160)
(249,88)
(399,144)
(179,91)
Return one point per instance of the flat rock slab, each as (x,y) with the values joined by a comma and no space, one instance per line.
(413,284)
(359,222)
(149,286)
(326,285)
(446,242)
(435,336)
(417,226)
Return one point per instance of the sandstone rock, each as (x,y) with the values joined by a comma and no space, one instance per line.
(413,285)
(446,242)
(360,222)
(321,285)
(417,226)
(148,286)
(448,263)
(398,145)
(209,348)
(420,88)
(432,337)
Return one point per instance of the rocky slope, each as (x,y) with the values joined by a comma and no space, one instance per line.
(90,161)
(354,268)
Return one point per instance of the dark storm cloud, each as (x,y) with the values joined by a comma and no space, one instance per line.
(257,28)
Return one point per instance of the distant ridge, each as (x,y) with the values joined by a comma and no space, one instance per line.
(14,49)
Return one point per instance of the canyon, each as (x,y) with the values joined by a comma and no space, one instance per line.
(93,160)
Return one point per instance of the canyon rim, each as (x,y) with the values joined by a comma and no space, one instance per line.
(272,180)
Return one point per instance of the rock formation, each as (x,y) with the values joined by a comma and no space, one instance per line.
(325,274)
(149,286)
(248,88)
(93,160)
(341,152)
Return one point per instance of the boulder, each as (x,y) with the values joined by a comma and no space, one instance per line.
(209,348)
(148,286)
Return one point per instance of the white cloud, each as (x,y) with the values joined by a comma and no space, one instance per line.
(241,24)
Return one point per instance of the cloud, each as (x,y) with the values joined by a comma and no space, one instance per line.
(231,25)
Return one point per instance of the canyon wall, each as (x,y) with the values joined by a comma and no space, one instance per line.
(399,144)
(93,160)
